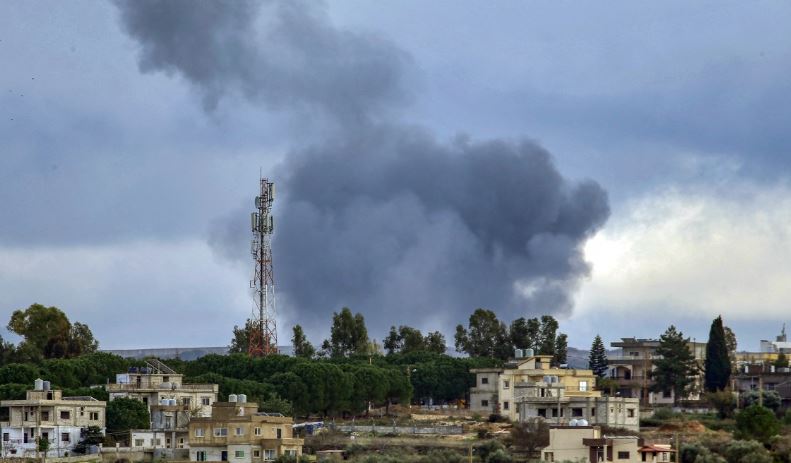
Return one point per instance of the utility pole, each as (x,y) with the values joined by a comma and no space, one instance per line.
(263,330)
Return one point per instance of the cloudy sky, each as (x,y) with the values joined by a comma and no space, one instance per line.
(622,168)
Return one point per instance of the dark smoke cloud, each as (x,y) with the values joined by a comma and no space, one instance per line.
(379,216)
(284,54)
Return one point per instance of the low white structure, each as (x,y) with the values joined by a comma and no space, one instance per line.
(46,414)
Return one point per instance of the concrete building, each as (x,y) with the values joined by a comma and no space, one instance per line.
(171,403)
(586,444)
(237,432)
(46,414)
(632,366)
(780,344)
(528,387)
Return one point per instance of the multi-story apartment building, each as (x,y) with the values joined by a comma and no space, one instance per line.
(237,432)
(46,414)
(780,344)
(587,444)
(170,402)
(632,368)
(529,387)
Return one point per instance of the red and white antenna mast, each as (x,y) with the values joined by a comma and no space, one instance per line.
(263,332)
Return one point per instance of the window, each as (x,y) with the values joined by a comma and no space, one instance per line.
(279,433)
(200,455)
(257,431)
(645,454)
(65,437)
(291,452)
(576,412)
(167,442)
(623,455)
(65,414)
(630,412)
(506,384)
(583,386)
(238,454)
(198,432)
(549,456)
(181,442)
(156,442)
(94,416)
(505,405)
(205,400)
(257,453)
(269,454)
(6,437)
(185,401)
(166,379)
(138,442)
(542,412)
(484,380)
(593,411)
(484,403)
(44,416)
(239,431)
(666,394)
(218,432)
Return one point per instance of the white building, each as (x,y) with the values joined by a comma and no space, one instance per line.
(46,414)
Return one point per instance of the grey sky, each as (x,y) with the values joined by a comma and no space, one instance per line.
(117,185)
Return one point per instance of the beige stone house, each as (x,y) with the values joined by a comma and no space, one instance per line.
(587,444)
(46,414)
(238,433)
(171,403)
(631,368)
(529,387)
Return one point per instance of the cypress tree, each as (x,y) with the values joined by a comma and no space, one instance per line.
(561,349)
(718,362)
(597,359)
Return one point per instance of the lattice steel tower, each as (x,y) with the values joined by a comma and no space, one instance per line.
(263,331)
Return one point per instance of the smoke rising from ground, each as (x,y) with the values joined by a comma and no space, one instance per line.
(379,215)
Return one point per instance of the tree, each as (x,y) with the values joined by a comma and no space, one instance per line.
(781,361)
(561,349)
(525,333)
(240,343)
(302,347)
(549,329)
(435,342)
(769,399)
(750,451)
(757,423)
(718,363)
(406,339)
(348,334)
(597,359)
(124,414)
(485,337)
(93,437)
(530,436)
(730,341)
(48,333)
(675,369)
(7,352)
(723,401)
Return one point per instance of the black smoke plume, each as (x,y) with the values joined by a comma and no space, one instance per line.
(378,215)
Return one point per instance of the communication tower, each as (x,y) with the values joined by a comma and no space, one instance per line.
(263,332)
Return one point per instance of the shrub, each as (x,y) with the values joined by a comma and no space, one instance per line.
(663,413)
(757,423)
(738,451)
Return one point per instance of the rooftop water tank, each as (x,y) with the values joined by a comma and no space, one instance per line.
(172,402)
(38,384)
(582,422)
(528,352)
(232,398)
(46,385)
(242,398)
(574,422)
